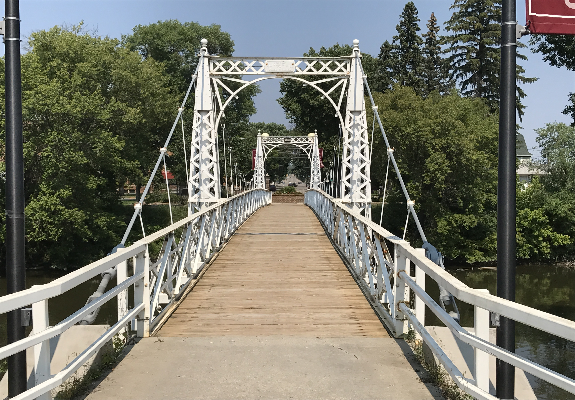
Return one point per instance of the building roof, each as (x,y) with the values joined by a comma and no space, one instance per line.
(521,146)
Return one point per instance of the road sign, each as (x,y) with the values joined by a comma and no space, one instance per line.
(545,16)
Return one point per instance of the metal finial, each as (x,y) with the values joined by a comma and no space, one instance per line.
(355,44)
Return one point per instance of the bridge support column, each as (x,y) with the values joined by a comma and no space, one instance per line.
(356,158)
(259,172)
(204,180)
(315,177)
(142,293)
(400,292)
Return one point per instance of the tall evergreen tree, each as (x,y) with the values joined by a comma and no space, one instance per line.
(435,72)
(475,51)
(402,60)
(474,48)
(408,47)
(386,68)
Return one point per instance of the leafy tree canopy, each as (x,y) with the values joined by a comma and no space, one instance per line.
(87,102)
(309,110)
(176,45)
(446,149)
(474,45)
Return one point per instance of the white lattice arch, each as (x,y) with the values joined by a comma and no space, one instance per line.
(308,144)
(344,73)
(310,83)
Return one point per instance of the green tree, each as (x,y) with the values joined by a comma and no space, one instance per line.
(537,231)
(435,71)
(557,144)
(546,216)
(408,48)
(402,61)
(474,44)
(84,99)
(308,110)
(176,45)
(385,75)
(446,149)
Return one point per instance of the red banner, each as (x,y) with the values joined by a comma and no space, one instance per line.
(551,16)
(320,157)
(253,159)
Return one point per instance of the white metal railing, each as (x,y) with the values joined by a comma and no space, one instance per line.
(186,247)
(387,282)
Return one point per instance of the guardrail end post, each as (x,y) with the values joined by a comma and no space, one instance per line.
(419,304)
(401,292)
(121,276)
(481,359)
(41,322)
(142,293)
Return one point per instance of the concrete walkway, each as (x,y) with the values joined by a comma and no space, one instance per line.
(277,315)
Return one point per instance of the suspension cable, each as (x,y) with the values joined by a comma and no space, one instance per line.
(168,188)
(143,196)
(372,132)
(185,154)
(225,161)
(399,177)
(406,221)
(385,187)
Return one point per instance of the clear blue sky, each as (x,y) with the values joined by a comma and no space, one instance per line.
(290,28)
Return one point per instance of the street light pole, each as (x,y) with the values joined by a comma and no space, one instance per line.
(506,234)
(231,172)
(15,264)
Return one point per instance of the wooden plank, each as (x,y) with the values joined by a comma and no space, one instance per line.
(278,275)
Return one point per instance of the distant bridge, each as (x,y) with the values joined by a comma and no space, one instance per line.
(247,298)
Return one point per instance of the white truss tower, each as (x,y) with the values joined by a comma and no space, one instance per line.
(203,184)
(341,75)
(356,158)
(308,144)
(259,172)
(315,177)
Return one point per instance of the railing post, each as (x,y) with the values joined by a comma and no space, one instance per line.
(142,292)
(400,289)
(121,276)
(481,324)
(420,280)
(41,322)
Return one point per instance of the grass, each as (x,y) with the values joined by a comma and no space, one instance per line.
(438,375)
(78,385)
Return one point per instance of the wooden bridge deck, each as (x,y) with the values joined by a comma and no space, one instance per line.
(277,315)
(279,275)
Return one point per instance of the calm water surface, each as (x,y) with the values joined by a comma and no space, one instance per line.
(544,287)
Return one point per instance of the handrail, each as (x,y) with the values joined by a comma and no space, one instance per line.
(357,238)
(61,285)
(156,285)
(62,326)
(526,315)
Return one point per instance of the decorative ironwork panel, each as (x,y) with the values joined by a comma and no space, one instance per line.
(279,66)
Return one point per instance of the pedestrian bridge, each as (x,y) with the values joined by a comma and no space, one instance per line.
(250,299)
(245,298)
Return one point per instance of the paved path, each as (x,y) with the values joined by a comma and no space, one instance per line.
(277,315)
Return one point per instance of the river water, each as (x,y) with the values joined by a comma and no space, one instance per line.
(545,287)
